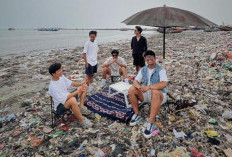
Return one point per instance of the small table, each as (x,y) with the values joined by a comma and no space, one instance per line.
(120,87)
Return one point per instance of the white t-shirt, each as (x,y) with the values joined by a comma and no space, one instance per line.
(91,49)
(114,67)
(162,74)
(58,90)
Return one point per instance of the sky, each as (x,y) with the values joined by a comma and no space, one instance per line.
(99,13)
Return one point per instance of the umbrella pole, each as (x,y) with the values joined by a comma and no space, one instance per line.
(164,42)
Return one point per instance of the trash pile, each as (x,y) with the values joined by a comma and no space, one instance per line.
(196,122)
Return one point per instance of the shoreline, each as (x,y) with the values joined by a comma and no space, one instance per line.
(66,39)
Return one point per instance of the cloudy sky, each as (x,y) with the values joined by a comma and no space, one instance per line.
(99,13)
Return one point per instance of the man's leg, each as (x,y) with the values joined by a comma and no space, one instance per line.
(137,69)
(135,96)
(105,71)
(156,100)
(72,104)
(122,71)
(89,79)
(82,96)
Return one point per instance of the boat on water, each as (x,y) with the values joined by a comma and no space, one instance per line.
(48,29)
(170,30)
(124,29)
(11,29)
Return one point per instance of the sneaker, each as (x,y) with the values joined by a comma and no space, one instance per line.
(85,111)
(103,84)
(135,120)
(149,128)
(86,123)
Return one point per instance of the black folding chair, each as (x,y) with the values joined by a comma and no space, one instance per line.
(58,117)
(115,78)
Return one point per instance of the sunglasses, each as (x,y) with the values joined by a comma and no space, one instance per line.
(114,55)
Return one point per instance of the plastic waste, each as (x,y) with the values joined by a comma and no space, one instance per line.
(227,114)
(211,133)
(179,134)
(99,153)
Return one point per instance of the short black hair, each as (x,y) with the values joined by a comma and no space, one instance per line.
(54,67)
(139,29)
(115,51)
(149,52)
(93,32)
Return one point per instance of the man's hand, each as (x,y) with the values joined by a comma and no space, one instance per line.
(143,54)
(86,65)
(144,88)
(84,87)
(115,60)
(83,82)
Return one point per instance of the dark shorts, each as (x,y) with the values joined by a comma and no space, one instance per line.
(138,60)
(61,109)
(91,70)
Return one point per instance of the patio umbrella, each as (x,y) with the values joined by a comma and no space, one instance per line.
(166,17)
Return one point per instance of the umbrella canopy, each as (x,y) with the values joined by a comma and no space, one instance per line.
(167,17)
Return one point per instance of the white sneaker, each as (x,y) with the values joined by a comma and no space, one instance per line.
(149,129)
(86,123)
(103,85)
(135,120)
(85,111)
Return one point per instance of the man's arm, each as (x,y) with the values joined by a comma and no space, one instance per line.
(145,46)
(78,84)
(136,84)
(132,45)
(107,64)
(121,65)
(158,86)
(85,59)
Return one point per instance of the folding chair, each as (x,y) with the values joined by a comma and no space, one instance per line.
(115,78)
(59,117)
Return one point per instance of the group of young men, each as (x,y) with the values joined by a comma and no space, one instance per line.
(150,84)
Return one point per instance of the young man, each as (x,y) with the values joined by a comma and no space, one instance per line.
(153,90)
(63,100)
(113,66)
(138,47)
(90,57)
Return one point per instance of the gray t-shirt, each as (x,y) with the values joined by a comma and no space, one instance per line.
(114,67)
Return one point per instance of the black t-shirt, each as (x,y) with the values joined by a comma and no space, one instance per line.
(139,46)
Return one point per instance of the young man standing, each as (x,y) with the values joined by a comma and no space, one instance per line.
(153,89)
(90,57)
(63,100)
(138,47)
(113,66)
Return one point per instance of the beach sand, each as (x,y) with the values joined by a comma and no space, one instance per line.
(190,73)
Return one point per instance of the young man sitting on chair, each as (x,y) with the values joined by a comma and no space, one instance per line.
(114,66)
(150,85)
(63,100)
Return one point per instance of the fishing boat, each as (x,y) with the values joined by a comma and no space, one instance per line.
(11,29)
